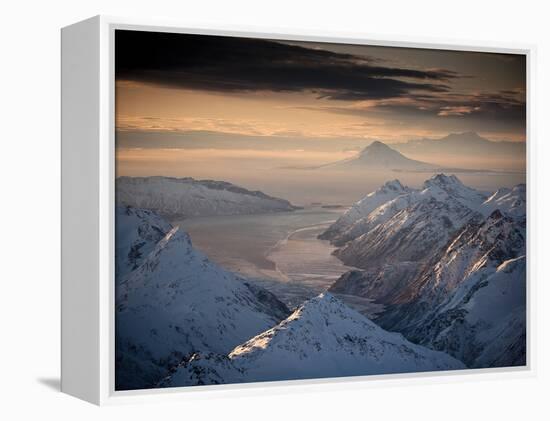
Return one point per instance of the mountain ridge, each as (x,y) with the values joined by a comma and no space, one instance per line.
(436,289)
(177,302)
(322,338)
(463,143)
(187,197)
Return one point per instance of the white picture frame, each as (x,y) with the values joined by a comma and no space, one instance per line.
(88,172)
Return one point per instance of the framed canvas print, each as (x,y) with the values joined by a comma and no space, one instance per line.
(248,209)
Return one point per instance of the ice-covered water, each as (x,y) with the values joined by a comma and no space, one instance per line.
(302,258)
(279,250)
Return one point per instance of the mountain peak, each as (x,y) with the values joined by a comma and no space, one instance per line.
(442,186)
(319,306)
(378,155)
(326,338)
(465,137)
(442,180)
(376,146)
(324,299)
(394,185)
(167,304)
(519,188)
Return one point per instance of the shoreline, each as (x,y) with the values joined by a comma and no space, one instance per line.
(282,242)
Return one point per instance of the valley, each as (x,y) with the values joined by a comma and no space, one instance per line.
(279,251)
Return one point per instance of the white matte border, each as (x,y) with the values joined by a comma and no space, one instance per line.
(106,212)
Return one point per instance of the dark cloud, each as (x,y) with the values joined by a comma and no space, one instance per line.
(483,111)
(484,106)
(400,94)
(230,64)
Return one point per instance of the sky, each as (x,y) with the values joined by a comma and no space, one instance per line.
(186,101)
(260,87)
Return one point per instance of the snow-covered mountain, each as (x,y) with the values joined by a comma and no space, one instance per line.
(176,303)
(393,242)
(409,229)
(445,261)
(411,235)
(362,208)
(377,208)
(378,216)
(383,284)
(482,321)
(137,233)
(378,156)
(475,246)
(432,257)
(322,338)
(447,307)
(512,202)
(413,225)
(442,187)
(185,197)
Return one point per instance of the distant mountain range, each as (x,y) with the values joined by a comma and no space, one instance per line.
(186,197)
(461,144)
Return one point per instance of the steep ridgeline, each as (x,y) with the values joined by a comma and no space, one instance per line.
(361,209)
(448,263)
(379,156)
(186,197)
(393,242)
(470,299)
(512,202)
(415,223)
(137,233)
(383,284)
(176,303)
(322,338)
(412,226)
